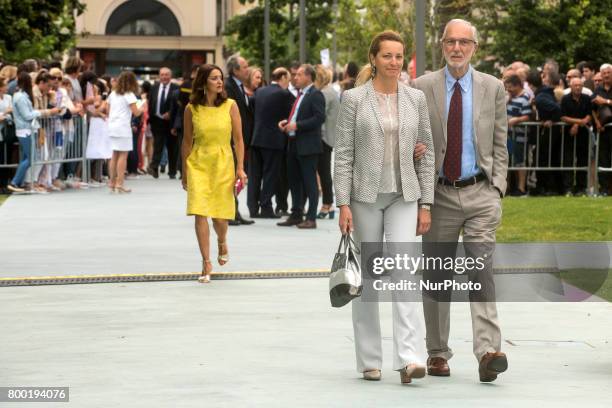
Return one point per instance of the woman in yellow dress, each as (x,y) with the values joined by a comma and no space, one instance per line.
(212,120)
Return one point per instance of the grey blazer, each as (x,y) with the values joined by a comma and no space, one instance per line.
(360,146)
(490,122)
(332,107)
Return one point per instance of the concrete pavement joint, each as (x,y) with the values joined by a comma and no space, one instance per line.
(158,277)
(181,276)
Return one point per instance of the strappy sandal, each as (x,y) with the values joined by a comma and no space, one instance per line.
(205,277)
(122,189)
(223,258)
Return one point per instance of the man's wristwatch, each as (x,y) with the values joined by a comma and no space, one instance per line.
(425,206)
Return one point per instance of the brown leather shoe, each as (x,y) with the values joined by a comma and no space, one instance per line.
(308,224)
(491,365)
(438,366)
(290,222)
(411,371)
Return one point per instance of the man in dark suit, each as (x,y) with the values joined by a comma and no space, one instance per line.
(177,110)
(160,101)
(303,128)
(272,104)
(282,187)
(238,73)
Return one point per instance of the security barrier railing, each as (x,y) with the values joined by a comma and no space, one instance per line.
(543,147)
(56,141)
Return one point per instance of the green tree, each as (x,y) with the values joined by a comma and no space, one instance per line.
(245,32)
(360,21)
(37,28)
(568,31)
(352,39)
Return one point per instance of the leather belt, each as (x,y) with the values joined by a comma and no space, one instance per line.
(463,183)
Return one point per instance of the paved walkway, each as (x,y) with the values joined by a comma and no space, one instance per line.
(278,343)
(242,343)
(94,232)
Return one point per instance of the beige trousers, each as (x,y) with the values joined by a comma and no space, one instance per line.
(476,211)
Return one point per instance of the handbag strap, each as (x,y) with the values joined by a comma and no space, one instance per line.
(347,243)
(351,244)
(342,245)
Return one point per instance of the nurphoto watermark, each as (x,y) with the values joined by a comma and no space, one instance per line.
(483,271)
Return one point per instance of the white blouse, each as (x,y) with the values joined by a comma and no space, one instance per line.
(5,104)
(391,181)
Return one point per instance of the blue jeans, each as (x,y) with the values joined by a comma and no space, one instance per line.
(25,144)
(164,159)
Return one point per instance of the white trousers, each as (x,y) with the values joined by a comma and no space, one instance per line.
(395,220)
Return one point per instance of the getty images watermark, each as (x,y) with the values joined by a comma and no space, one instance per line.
(404,263)
(483,271)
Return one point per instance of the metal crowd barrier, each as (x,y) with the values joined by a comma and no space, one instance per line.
(598,167)
(9,144)
(58,141)
(544,148)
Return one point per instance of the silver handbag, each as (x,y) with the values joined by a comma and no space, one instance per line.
(345,277)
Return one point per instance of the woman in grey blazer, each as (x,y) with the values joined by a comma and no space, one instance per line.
(328,131)
(383,192)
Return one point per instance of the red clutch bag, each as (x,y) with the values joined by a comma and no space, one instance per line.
(238,187)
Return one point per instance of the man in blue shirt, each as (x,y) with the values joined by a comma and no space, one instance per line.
(518,110)
(467,111)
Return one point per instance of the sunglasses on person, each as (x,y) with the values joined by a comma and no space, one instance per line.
(58,78)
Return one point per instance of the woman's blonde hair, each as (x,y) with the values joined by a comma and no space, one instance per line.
(324,76)
(8,72)
(56,72)
(249,81)
(368,71)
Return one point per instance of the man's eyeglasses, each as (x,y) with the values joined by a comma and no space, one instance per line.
(463,42)
(59,78)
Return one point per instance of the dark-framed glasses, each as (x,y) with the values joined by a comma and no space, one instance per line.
(463,42)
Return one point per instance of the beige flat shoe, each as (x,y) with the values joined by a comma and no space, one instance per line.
(371,375)
(122,190)
(412,371)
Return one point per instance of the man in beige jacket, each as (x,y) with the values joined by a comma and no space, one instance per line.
(467,112)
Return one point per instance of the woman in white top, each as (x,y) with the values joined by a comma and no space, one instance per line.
(122,105)
(23,114)
(6,107)
(99,146)
(64,126)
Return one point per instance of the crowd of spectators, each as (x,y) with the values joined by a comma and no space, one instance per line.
(62,96)
(571,110)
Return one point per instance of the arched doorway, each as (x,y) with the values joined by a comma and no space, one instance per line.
(142,18)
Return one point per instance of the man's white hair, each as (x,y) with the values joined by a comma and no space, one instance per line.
(461,21)
(605,66)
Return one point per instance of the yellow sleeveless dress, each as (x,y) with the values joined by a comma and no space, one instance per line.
(210,165)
